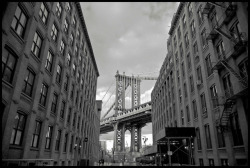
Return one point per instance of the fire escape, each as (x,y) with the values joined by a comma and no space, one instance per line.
(239,46)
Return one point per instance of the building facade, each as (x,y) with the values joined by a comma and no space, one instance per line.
(49,80)
(203,82)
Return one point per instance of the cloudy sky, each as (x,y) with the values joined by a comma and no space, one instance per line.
(130,37)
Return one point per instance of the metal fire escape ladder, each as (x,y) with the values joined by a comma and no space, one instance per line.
(243,81)
(228,106)
(221,32)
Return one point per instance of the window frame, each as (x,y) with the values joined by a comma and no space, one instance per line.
(54,103)
(16,129)
(6,67)
(35,46)
(48,137)
(18,21)
(42,94)
(54,32)
(26,82)
(49,61)
(42,12)
(36,133)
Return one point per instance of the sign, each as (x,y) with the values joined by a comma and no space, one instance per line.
(170,153)
(85,139)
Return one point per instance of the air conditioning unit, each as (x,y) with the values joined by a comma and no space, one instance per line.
(198,82)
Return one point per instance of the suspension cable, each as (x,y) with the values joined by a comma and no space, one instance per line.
(108,89)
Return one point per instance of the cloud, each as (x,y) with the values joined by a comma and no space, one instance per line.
(130,37)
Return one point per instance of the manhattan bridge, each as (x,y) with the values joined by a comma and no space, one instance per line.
(132,119)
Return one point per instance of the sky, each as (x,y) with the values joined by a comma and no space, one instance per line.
(130,37)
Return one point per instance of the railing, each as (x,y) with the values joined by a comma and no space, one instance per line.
(27,162)
(136,110)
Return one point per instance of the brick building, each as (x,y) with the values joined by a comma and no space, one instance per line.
(49,80)
(203,82)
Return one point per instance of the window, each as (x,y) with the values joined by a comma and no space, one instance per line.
(214,96)
(195,109)
(220,50)
(209,65)
(74,21)
(199,74)
(62,47)
(65,142)
(68,59)
(191,80)
(201,162)
(58,9)
(179,95)
(74,120)
(9,61)
(227,85)
(29,82)
(185,90)
(62,109)
(179,32)
(243,67)
(58,139)
(48,137)
(184,21)
(19,22)
(200,16)
(43,13)
(66,26)
(81,102)
(175,43)
(224,162)
(43,94)
(36,134)
(203,38)
(49,61)
(54,103)
(82,83)
(76,50)
(220,136)
(78,76)
(182,118)
(235,128)
(36,45)
(69,114)
(214,19)
(58,73)
(183,69)
(74,69)
(203,103)
(198,136)
(188,61)
(78,123)
(68,7)
(71,39)
(178,77)
(66,83)
(18,129)
(208,137)
(78,34)
(186,40)
(54,32)
(195,48)
(71,144)
(188,114)
(181,51)
(236,32)
(190,9)
(193,28)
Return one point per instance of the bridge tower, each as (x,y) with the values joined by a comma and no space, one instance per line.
(122,83)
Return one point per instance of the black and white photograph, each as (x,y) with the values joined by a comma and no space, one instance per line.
(124,83)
